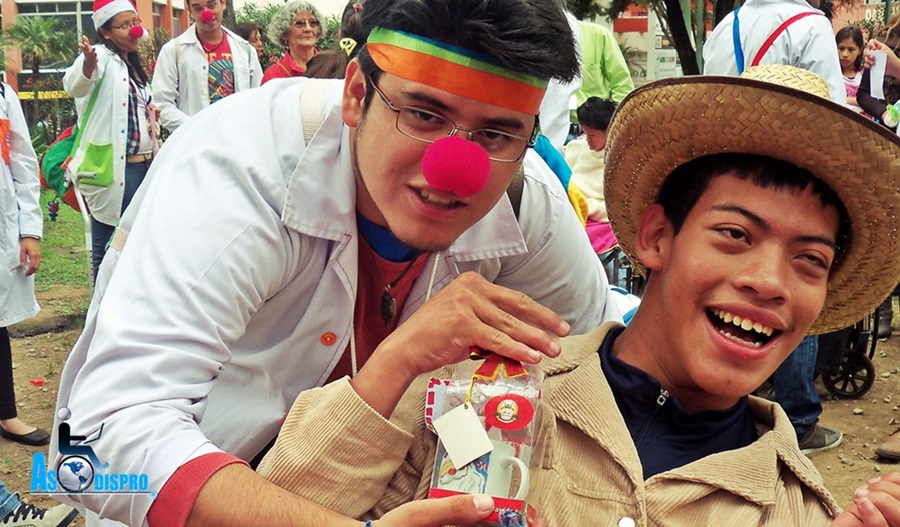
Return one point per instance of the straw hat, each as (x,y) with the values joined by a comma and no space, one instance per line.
(667,123)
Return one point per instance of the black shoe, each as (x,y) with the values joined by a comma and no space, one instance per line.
(37,438)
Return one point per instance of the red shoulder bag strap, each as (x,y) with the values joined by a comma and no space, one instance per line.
(768,43)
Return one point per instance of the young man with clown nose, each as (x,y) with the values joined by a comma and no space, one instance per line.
(293,231)
(205,64)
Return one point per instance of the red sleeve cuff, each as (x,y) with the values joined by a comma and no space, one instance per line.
(175,500)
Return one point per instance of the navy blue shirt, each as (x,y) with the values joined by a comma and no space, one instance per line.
(384,242)
(665,434)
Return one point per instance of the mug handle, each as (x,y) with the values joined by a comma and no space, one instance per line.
(523,476)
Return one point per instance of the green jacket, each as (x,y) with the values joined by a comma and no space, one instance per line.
(603,68)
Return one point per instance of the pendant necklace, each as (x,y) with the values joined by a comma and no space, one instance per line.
(388,302)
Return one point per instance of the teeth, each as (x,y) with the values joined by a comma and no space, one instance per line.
(765,330)
(742,341)
(433,199)
(744,323)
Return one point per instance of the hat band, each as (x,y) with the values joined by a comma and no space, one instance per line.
(455,70)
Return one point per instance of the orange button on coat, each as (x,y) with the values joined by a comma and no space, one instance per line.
(328,338)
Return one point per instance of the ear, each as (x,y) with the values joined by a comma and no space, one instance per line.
(654,238)
(354,94)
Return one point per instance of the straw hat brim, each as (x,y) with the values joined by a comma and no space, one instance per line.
(667,123)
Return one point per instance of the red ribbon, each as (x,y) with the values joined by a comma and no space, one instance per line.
(494,363)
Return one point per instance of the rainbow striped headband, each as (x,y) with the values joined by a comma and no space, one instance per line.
(455,70)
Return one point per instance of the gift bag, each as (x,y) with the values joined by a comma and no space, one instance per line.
(487,433)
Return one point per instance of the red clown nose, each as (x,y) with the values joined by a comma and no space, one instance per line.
(453,164)
(207,16)
(136,32)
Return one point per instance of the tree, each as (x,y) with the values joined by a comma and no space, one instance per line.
(585,9)
(40,42)
(149,48)
(228,19)
(261,15)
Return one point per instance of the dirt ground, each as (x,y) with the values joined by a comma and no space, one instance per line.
(40,348)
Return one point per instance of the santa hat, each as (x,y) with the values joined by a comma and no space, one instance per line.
(104,10)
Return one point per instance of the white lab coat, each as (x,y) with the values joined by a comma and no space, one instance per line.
(181,90)
(107,124)
(808,43)
(554,112)
(241,261)
(20,213)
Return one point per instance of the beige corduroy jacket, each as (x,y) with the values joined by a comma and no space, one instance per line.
(336,450)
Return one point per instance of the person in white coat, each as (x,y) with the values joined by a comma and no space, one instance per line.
(267,256)
(21,228)
(205,64)
(805,41)
(117,144)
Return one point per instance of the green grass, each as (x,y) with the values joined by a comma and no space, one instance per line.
(7,465)
(63,254)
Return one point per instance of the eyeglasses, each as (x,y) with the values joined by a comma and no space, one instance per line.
(127,25)
(300,24)
(427,126)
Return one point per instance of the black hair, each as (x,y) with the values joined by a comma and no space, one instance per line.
(596,113)
(132,59)
(684,186)
(351,26)
(854,33)
(528,36)
(245,29)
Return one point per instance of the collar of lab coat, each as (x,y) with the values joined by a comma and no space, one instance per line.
(190,35)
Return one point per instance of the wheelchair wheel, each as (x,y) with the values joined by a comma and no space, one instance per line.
(853,379)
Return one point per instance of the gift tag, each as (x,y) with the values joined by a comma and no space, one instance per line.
(463,435)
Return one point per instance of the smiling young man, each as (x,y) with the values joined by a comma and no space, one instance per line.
(752,238)
(205,64)
(290,229)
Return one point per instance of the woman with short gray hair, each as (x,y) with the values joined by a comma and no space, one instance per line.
(297,26)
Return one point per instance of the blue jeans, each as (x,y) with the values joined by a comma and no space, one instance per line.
(8,502)
(101,233)
(795,387)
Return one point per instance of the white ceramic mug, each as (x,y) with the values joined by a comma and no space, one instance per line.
(490,474)
(500,472)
